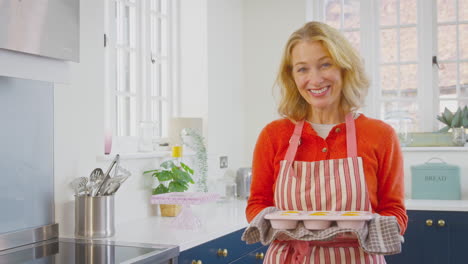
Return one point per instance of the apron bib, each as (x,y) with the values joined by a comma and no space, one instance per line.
(329,185)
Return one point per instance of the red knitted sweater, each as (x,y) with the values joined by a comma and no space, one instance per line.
(377,144)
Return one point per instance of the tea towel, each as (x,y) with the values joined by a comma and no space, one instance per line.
(380,236)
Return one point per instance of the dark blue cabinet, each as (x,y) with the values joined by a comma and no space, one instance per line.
(254,257)
(226,249)
(434,237)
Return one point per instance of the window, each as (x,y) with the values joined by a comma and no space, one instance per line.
(415,51)
(141,55)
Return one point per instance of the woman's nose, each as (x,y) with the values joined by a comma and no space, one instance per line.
(315,78)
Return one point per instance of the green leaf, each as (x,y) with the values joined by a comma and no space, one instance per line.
(150,171)
(177,187)
(441,119)
(457,118)
(169,164)
(448,116)
(186,168)
(444,129)
(160,189)
(164,176)
(465,120)
(182,176)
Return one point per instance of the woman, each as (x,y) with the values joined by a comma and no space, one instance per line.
(323,155)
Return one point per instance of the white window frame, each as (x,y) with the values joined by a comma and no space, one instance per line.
(143,62)
(428,99)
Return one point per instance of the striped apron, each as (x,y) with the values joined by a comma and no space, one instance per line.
(331,185)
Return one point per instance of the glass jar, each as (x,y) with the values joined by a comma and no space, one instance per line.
(458,136)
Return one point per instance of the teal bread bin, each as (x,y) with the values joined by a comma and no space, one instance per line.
(435,181)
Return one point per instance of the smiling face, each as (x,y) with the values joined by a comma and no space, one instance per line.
(317,77)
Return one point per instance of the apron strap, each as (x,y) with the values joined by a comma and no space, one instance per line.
(293,144)
(351,136)
(296,138)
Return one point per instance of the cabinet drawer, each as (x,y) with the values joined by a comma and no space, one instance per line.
(208,252)
(253,257)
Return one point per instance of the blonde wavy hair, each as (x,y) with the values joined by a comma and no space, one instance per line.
(355,82)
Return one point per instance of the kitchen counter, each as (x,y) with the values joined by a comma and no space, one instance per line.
(217,219)
(437,205)
(223,217)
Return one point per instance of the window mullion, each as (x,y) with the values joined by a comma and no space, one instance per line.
(146,61)
(428,88)
(369,51)
(174,22)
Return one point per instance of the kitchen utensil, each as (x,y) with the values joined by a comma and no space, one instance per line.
(100,190)
(79,185)
(95,179)
(113,184)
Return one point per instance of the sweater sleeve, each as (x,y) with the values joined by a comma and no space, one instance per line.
(263,178)
(390,179)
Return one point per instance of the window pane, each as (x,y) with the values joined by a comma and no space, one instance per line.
(156,114)
(354,38)
(409,44)
(159,36)
(159,6)
(408,11)
(448,80)
(446,10)
(125,25)
(125,71)
(333,13)
(351,14)
(164,79)
(164,38)
(463,10)
(451,105)
(447,44)
(388,12)
(389,81)
(163,6)
(463,29)
(409,80)
(388,45)
(165,118)
(160,115)
(464,78)
(402,116)
(126,112)
(155,32)
(155,79)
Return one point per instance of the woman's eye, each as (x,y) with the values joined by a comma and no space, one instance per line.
(326,65)
(302,69)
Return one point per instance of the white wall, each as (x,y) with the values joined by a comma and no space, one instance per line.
(225,84)
(267,26)
(79,114)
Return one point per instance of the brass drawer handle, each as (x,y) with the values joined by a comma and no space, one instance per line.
(441,223)
(197,262)
(259,255)
(222,252)
(429,222)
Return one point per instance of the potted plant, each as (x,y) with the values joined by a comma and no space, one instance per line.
(455,123)
(173,177)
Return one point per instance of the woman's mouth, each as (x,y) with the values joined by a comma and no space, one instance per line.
(319,92)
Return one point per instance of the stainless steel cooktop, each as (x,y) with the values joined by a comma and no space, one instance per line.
(70,251)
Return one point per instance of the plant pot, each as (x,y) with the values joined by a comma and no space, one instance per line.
(170,209)
(458,136)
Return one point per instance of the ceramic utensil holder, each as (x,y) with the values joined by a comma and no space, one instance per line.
(94,216)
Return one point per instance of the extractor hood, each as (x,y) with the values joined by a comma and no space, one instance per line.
(48,28)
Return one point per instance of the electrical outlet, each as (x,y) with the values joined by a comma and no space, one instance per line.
(223,162)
